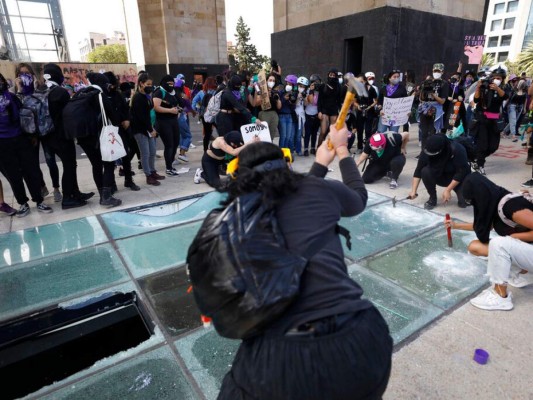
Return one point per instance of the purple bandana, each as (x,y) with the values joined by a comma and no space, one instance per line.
(391,89)
(237,94)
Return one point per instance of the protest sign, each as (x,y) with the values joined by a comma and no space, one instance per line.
(473,48)
(250,131)
(396,111)
(265,99)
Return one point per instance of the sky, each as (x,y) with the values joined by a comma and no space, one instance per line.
(106,16)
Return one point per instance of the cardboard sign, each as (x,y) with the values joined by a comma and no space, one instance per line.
(473,48)
(265,99)
(396,111)
(250,131)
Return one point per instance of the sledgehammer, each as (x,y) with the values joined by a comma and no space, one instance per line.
(354,87)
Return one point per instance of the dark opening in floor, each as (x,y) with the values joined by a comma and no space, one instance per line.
(45,347)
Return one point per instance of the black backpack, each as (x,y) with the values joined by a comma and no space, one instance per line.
(242,274)
(82,114)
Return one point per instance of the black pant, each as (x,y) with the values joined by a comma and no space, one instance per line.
(363,126)
(66,151)
(312,124)
(427,128)
(487,138)
(103,171)
(169,132)
(431,182)
(208,132)
(377,170)
(211,166)
(19,164)
(226,123)
(351,362)
(130,144)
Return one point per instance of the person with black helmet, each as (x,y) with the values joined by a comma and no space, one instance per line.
(441,163)
(489,97)
(329,103)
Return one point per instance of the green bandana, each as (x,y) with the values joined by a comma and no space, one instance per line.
(380,153)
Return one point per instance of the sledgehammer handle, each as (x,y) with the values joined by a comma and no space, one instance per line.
(348,100)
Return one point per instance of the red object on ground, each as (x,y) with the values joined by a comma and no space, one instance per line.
(449,231)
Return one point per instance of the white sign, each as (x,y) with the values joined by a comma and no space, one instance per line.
(250,131)
(396,111)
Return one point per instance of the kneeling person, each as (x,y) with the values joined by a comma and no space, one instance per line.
(386,153)
(443,163)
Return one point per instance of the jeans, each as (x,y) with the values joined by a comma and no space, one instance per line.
(297,138)
(147,148)
(66,151)
(185,132)
(50,157)
(286,131)
(19,164)
(505,251)
(382,128)
(514,112)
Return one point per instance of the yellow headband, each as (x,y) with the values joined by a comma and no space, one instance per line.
(233,165)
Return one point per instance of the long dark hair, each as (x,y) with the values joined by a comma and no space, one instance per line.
(274,185)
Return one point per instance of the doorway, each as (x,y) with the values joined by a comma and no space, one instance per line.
(353,55)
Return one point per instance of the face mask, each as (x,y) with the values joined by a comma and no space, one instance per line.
(453,80)
(340,81)
(497,82)
(168,87)
(148,89)
(371,81)
(271,84)
(332,80)
(437,75)
(301,90)
(288,88)
(468,81)
(395,81)
(380,152)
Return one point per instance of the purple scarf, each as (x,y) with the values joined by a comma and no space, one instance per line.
(391,89)
(237,94)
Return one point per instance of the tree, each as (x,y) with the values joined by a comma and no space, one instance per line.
(487,60)
(111,53)
(524,61)
(245,55)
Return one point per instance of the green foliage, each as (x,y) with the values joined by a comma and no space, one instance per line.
(524,61)
(245,57)
(487,60)
(112,53)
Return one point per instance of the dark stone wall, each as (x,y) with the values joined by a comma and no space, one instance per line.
(157,71)
(398,38)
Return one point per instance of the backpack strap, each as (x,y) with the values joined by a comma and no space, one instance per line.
(318,243)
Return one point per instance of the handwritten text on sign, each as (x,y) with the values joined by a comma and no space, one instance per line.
(250,131)
(396,111)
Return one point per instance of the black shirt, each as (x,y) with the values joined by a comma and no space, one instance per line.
(457,165)
(389,152)
(167,101)
(364,101)
(229,102)
(510,207)
(329,99)
(314,210)
(141,105)
(57,100)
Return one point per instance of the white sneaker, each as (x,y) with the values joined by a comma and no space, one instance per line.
(490,300)
(520,280)
(198,176)
(192,146)
(393,184)
(183,157)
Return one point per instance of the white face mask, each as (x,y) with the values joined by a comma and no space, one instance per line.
(340,81)
(301,90)
(395,81)
(288,88)
(437,75)
(497,82)
(271,84)
(371,81)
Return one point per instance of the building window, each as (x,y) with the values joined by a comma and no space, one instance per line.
(493,41)
(509,23)
(504,55)
(496,25)
(506,40)
(512,6)
(499,8)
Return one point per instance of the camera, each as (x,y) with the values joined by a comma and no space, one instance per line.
(292,97)
(427,88)
(484,84)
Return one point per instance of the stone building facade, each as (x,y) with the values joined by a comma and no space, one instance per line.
(187,37)
(310,36)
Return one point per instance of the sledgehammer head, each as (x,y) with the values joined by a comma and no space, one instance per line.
(356,87)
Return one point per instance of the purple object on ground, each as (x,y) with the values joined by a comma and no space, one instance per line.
(481,356)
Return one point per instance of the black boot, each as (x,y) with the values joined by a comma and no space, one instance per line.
(72,202)
(431,203)
(107,199)
(529,160)
(114,188)
(128,182)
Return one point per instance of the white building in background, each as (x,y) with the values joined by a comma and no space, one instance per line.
(99,39)
(509,28)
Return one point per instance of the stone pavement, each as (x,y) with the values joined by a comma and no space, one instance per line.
(436,363)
